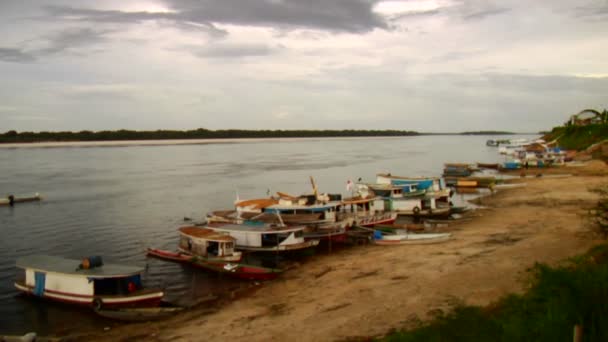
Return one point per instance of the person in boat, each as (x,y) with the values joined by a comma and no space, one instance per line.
(11,200)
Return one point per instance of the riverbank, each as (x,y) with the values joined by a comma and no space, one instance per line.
(372,290)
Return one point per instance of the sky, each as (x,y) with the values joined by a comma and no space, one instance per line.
(422,65)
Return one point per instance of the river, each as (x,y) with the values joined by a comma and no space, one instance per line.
(115,201)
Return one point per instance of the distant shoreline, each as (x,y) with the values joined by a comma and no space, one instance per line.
(169,142)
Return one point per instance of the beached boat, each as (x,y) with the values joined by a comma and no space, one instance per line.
(263,237)
(238,270)
(88,282)
(432,186)
(11,199)
(394,201)
(491,166)
(207,244)
(139,314)
(409,238)
(366,211)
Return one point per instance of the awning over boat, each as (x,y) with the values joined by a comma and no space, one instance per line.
(206,234)
(48,263)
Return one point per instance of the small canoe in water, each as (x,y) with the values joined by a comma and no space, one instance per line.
(233,269)
(15,199)
(139,314)
(411,239)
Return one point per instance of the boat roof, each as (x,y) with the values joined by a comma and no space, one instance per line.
(255,229)
(379,186)
(311,207)
(388,175)
(207,234)
(49,263)
(257,203)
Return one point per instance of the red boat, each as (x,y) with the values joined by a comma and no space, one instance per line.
(237,270)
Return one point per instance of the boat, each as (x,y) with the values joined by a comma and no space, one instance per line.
(394,201)
(10,200)
(208,244)
(87,282)
(264,238)
(491,166)
(458,170)
(366,211)
(432,186)
(237,270)
(139,314)
(409,238)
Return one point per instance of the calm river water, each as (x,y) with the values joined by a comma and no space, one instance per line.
(116,201)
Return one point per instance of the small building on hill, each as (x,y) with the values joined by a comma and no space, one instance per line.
(586,117)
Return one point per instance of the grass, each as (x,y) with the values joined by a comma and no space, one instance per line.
(578,137)
(557,299)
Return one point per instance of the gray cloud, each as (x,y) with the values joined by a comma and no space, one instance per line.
(485,13)
(234,50)
(71,38)
(331,15)
(597,10)
(15,55)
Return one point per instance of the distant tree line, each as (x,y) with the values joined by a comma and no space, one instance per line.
(486,133)
(201,133)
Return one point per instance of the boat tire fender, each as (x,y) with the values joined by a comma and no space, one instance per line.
(97,303)
(416,210)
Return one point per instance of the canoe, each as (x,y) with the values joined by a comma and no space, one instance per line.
(139,314)
(411,239)
(233,269)
(16,199)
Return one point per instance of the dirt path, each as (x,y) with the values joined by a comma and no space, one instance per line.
(369,290)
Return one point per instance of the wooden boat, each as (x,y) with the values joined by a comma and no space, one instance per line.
(238,270)
(392,197)
(492,166)
(11,200)
(366,211)
(409,238)
(264,238)
(89,283)
(139,314)
(433,186)
(208,244)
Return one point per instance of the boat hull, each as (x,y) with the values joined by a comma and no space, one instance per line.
(242,271)
(146,298)
(412,239)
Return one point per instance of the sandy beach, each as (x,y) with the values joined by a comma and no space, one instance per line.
(367,291)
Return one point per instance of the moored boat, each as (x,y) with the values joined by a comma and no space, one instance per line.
(264,238)
(208,244)
(89,282)
(10,200)
(409,238)
(238,270)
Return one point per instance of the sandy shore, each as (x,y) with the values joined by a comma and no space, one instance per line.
(369,290)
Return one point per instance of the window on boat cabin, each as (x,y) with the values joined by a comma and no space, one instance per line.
(383,193)
(117,286)
(213,248)
(273,239)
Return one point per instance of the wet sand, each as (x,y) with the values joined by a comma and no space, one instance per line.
(367,291)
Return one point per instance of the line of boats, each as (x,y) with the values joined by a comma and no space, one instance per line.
(278,224)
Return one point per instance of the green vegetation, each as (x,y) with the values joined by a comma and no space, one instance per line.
(574,137)
(201,133)
(558,299)
(599,214)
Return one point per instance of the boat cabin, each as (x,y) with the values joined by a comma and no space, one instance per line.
(206,243)
(98,284)
(263,237)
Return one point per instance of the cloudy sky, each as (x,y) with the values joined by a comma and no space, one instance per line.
(424,65)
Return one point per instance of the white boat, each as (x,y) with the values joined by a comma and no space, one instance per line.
(207,244)
(393,200)
(366,211)
(264,238)
(410,238)
(88,282)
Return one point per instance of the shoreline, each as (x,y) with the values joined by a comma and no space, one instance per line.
(368,291)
